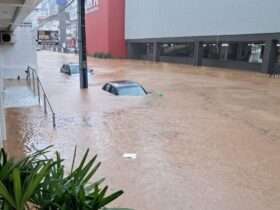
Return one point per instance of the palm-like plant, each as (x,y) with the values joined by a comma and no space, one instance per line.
(42,182)
(19,192)
(19,181)
(74,191)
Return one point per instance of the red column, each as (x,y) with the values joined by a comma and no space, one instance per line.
(105,27)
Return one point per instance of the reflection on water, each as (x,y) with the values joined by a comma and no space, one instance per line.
(205,139)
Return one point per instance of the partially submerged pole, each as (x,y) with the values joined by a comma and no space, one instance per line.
(82,45)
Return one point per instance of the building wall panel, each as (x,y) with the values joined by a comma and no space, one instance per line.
(97,28)
(14,58)
(116,28)
(179,18)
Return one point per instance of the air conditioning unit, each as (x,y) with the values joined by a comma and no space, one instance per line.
(6,37)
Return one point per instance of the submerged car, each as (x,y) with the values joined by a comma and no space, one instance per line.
(125,88)
(72,68)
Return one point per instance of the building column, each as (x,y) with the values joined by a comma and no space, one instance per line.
(233,50)
(198,53)
(2,113)
(243,51)
(156,52)
(62,18)
(130,51)
(224,51)
(269,56)
(239,54)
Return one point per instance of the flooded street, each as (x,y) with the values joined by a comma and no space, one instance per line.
(205,139)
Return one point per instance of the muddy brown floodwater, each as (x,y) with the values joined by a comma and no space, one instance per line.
(205,139)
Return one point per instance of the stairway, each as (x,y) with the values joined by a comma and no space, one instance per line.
(18,94)
(27,93)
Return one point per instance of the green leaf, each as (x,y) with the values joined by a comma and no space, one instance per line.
(90,175)
(102,194)
(110,198)
(6,170)
(5,194)
(83,160)
(35,181)
(91,187)
(17,188)
(74,159)
(84,171)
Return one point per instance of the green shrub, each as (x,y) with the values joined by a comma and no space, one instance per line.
(43,184)
(98,55)
(102,55)
(107,55)
(20,181)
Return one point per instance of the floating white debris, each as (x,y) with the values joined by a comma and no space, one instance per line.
(130,156)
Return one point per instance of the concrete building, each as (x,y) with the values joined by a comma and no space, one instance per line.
(17,51)
(232,34)
(23,49)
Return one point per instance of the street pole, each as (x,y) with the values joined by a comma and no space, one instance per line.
(82,45)
(62,28)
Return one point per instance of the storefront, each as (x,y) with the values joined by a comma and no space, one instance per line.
(230,34)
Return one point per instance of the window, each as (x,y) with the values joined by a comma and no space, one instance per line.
(211,50)
(256,53)
(63,69)
(149,48)
(278,53)
(107,87)
(242,51)
(67,69)
(131,91)
(74,69)
(177,49)
(114,91)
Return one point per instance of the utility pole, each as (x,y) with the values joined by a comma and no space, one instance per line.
(82,45)
(62,28)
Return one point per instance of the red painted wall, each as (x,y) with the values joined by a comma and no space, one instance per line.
(97,30)
(105,28)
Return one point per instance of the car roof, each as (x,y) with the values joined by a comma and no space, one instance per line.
(72,64)
(123,83)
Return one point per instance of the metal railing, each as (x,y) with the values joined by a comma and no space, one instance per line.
(38,90)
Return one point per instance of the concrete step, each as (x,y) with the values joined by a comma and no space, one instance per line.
(19,95)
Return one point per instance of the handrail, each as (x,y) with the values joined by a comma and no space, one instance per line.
(37,86)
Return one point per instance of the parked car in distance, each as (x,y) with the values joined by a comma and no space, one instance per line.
(125,88)
(72,68)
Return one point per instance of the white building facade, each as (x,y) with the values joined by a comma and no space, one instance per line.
(18,52)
